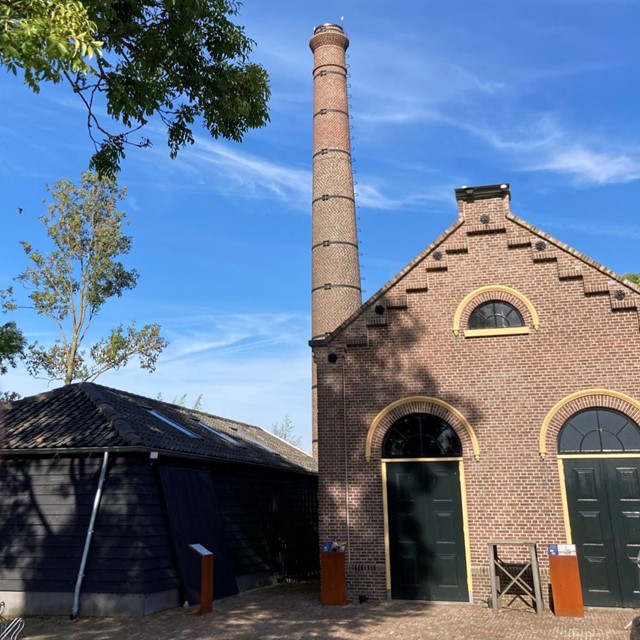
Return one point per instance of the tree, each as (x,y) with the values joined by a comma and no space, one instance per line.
(12,343)
(633,277)
(71,284)
(181,401)
(286,431)
(47,39)
(180,61)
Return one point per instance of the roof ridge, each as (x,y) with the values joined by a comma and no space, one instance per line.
(126,431)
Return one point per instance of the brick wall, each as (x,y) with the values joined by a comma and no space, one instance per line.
(504,386)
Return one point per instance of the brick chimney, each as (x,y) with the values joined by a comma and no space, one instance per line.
(491,201)
(335,268)
(335,288)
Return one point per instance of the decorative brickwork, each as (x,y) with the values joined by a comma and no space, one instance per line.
(335,270)
(506,388)
(335,288)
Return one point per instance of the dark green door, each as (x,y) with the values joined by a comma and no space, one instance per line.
(603,496)
(426,539)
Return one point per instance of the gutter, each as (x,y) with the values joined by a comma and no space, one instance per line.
(166,453)
(87,542)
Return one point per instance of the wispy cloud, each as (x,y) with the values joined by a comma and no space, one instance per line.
(602,229)
(587,165)
(248,367)
(546,146)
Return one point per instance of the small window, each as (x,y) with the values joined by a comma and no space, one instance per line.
(220,434)
(599,431)
(495,314)
(175,425)
(246,436)
(421,435)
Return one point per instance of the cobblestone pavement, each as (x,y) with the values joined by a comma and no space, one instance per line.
(293,612)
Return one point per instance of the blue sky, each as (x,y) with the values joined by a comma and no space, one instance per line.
(543,94)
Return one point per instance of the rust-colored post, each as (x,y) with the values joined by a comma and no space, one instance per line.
(206,578)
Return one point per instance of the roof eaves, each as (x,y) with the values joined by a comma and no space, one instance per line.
(166,453)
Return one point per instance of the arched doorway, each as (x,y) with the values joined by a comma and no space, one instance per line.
(422,468)
(599,449)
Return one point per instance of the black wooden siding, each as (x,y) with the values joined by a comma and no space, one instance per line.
(257,523)
(45,508)
(131,550)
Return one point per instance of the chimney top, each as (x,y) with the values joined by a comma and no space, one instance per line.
(484,192)
(328,26)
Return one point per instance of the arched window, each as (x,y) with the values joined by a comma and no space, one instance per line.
(599,431)
(421,435)
(495,314)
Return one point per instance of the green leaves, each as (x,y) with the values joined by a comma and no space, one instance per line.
(116,350)
(71,283)
(12,344)
(180,61)
(47,38)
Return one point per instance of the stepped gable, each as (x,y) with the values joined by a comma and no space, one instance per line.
(484,216)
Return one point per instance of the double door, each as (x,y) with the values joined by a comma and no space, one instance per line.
(603,496)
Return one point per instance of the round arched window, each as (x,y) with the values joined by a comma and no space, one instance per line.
(599,431)
(421,435)
(495,314)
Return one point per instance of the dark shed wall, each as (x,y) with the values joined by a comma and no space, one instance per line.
(45,508)
(258,523)
(131,551)
(270,520)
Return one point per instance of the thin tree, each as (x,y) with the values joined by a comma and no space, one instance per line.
(71,284)
(286,431)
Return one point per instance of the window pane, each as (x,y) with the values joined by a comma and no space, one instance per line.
(495,314)
(599,430)
(421,435)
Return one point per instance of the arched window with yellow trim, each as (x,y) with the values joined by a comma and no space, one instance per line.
(495,314)
(494,310)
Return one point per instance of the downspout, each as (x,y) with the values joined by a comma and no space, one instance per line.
(87,542)
(346,458)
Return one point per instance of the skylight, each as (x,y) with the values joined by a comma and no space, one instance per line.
(175,425)
(220,434)
(246,436)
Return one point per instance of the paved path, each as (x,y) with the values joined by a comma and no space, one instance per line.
(292,612)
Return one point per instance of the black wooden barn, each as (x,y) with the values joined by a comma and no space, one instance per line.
(148,478)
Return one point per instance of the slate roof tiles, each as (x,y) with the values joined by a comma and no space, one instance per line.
(91,416)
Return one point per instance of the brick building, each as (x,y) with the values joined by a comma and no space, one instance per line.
(489,391)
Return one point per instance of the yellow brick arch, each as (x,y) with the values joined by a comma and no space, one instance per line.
(585,399)
(420,404)
(500,289)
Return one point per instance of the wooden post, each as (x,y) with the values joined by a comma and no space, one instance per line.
(333,588)
(206,578)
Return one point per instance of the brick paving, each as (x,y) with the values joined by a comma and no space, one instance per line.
(293,612)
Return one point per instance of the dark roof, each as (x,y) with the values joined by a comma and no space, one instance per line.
(91,416)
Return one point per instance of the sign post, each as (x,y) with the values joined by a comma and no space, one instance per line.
(206,578)
(565,580)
